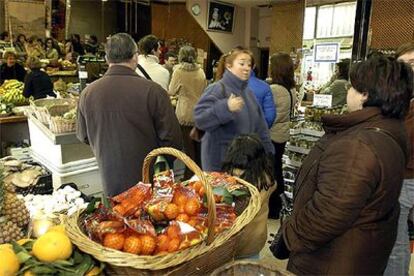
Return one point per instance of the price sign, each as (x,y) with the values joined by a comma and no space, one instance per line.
(83,74)
(322,100)
(327,52)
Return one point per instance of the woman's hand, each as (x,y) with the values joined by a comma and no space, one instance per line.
(234,103)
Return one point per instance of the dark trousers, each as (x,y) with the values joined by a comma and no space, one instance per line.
(191,148)
(275,203)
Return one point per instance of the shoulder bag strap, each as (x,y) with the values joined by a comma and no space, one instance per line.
(144,72)
(291,109)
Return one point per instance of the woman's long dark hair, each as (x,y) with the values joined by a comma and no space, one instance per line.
(282,70)
(246,153)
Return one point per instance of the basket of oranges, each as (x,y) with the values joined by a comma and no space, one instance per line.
(167,228)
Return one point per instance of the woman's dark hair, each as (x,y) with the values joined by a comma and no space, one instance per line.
(246,153)
(3,35)
(282,70)
(19,36)
(388,82)
(147,44)
(55,45)
(343,69)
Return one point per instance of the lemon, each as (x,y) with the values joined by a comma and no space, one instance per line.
(9,262)
(57,228)
(52,246)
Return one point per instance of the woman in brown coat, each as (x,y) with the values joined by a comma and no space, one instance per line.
(346,207)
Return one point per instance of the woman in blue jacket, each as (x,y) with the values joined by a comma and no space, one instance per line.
(229,108)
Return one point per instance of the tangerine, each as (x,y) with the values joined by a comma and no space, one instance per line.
(171,211)
(114,241)
(173,245)
(173,231)
(181,209)
(179,199)
(197,186)
(132,245)
(192,207)
(148,245)
(183,217)
(163,242)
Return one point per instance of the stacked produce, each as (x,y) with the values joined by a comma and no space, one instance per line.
(14,217)
(66,200)
(12,92)
(51,254)
(20,174)
(166,218)
(5,108)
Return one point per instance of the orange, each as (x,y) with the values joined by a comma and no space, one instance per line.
(201,192)
(197,186)
(171,211)
(119,209)
(173,245)
(173,231)
(179,199)
(183,217)
(163,242)
(148,244)
(193,222)
(181,209)
(192,207)
(114,241)
(132,245)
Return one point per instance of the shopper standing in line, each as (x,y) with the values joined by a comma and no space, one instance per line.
(264,96)
(284,95)
(399,261)
(227,109)
(188,83)
(345,214)
(123,117)
(149,66)
(170,61)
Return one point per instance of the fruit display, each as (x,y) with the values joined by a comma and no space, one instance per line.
(165,218)
(21,174)
(5,108)
(314,113)
(50,254)
(66,200)
(67,65)
(295,156)
(12,92)
(70,115)
(303,141)
(14,216)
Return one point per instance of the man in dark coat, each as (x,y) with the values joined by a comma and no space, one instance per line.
(123,117)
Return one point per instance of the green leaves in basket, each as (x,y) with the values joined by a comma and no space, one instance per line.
(239,193)
(222,191)
(93,204)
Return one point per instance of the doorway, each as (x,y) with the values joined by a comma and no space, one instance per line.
(213,56)
(264,63)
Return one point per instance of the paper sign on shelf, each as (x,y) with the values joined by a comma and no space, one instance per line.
(327,52)
(322,100)
(83,74)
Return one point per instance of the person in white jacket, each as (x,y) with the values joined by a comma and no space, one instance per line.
(148,62)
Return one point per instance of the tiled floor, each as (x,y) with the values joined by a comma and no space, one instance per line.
(273,225)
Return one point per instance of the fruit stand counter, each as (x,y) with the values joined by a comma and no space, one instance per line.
(66,76)
(13,129)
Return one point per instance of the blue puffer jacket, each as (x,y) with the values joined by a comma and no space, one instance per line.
(264,97)
(221,126)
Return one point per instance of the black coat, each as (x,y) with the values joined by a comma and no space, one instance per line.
(16,72)
(38,85)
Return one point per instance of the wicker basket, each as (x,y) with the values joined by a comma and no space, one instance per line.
(199,259)
(249,267)
(40,107)
(58,124)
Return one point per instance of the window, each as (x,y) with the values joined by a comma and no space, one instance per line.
(336,20)
(309,23)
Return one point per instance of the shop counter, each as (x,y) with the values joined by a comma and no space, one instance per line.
(66,76)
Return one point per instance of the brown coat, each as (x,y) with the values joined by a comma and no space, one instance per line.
(409,125)
(346,200)
(124,117)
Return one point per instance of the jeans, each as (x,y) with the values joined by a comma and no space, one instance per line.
(275,203)
(399,261)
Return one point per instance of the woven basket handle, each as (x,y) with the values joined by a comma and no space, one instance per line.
(211,205)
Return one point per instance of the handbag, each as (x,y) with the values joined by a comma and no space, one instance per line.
(196,134)
(277,245)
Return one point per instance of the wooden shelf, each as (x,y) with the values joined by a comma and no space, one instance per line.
(13,119)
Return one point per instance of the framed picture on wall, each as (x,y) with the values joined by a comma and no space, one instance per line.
(220,17)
